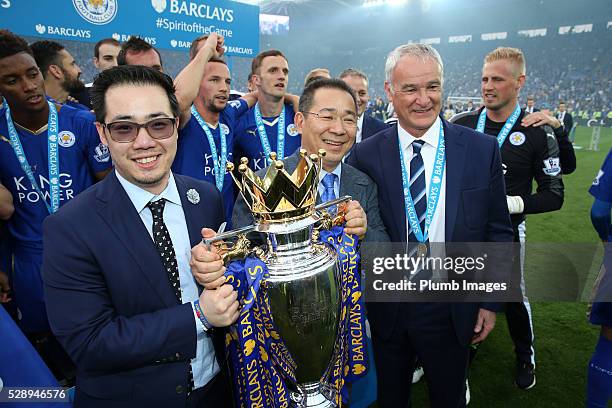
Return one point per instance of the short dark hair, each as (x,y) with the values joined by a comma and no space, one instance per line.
(129,75)
(46,53)
(11,44)
(135,44)
(102,42)
(307,97)
(256,63)
(561,102)
(353,72)
(193,49)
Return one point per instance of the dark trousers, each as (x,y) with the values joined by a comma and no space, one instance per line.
(519,325)
(423,330)
(215,394)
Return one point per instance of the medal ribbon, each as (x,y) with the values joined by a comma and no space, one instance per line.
(433,196)
(263,136)
(53,157)
(505,131)
(219,162)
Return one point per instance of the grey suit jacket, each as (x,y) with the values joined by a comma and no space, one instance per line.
(352,182)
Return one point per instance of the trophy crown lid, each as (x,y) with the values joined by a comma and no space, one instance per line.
(280,196)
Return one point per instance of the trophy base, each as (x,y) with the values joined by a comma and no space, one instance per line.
(316,395)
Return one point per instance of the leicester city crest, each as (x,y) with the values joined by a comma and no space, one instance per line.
(97,12)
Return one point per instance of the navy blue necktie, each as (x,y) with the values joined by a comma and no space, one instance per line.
(163,242)
(418,187)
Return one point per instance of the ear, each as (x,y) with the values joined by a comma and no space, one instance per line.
(56,71)
(256,80)
(96,62)
(521,81)
(298,121)
(101,133)
(388,91)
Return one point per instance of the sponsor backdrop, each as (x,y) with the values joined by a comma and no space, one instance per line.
(170,24)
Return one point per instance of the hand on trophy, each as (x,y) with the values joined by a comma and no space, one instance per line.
(206,263)
(220,307)
(356,220)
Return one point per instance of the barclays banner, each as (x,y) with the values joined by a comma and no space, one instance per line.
(170,24)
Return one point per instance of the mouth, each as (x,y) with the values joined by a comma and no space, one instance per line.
(333,145)
(147,162)
(221,98)
(34,99)
(422,111)
(280,86)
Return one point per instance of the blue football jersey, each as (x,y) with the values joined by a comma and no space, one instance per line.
(601,189)
(193,155)
(248,144)
(81,154)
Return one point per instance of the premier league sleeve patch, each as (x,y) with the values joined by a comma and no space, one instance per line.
(102,154)
(517,138)
(66,138)
(552,166)
(292,130)
(235,103)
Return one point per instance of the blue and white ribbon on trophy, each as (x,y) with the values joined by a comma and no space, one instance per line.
(261,363)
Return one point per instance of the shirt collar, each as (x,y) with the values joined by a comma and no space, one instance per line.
(141,197)
(430,137)
(337,171)
(360,121)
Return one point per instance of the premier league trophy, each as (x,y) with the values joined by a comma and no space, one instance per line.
(302,287)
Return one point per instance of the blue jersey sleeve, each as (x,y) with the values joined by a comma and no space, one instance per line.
(98,155)
(235,109)
(601,188)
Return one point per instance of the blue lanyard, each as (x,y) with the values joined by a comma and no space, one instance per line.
(503,134)
(219,167)
(435,188)
(280,141)
(53,156)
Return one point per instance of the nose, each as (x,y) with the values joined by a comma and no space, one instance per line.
(337,126)
(143,140)
(29,85)
(422,98)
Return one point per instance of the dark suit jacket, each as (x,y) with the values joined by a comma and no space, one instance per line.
(109,300)
(476,209)
(568,122)
(371,126)
(352,182)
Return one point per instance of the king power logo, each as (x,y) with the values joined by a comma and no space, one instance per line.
(27,193)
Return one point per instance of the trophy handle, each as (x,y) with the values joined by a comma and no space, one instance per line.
(327,220)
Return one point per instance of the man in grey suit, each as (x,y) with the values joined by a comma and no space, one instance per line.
(327,119)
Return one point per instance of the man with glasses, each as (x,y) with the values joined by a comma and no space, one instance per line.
(50,154)
(327,119)
(122,298)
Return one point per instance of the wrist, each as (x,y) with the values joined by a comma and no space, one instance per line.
(200,314)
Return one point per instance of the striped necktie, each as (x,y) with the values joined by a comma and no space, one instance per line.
(418,186)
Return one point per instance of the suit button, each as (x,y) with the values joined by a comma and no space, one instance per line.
(178,356)
(179,389)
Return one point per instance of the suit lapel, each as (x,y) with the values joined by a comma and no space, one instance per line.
(117,210)
(392,176)
(455,163)
(191,212)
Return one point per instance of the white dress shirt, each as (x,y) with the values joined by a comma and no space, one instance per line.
(428,152)
(204,365)
(359,128)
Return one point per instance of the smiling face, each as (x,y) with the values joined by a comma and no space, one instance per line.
(416,92)
(144,162)
(501,83)
(22,83)
(360,86)
(272,76)
(215,86)
(334,136)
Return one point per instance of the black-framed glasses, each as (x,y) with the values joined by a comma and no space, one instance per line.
(327,116)
(124,131)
